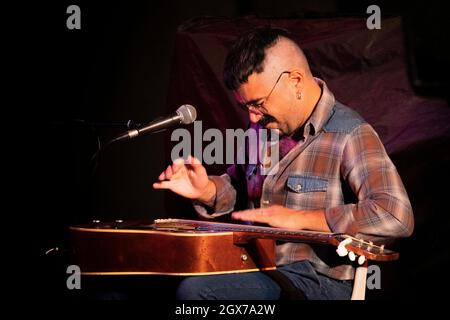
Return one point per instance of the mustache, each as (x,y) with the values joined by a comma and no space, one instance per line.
(266,119)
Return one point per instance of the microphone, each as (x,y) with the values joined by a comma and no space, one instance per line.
(185,114)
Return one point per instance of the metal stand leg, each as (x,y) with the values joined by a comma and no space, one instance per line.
(359,285)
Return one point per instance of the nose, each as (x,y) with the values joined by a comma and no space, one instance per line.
(255,117)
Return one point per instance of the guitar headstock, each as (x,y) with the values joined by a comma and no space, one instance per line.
(354,246)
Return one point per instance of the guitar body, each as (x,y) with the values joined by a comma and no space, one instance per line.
(191,247)
(108,250)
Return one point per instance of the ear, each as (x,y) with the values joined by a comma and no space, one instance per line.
(297,79)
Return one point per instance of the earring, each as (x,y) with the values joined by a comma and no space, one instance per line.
(299,96)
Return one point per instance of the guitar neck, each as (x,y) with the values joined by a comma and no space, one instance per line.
(243,233)
(251,230)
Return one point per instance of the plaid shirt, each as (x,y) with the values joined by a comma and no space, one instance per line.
(340,166)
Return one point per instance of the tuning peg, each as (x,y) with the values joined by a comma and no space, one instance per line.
(352,256)
(341,249)
(361,260)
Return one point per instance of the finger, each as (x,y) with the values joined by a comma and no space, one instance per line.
(162,185)
(249,216)
(189,159)
(254,215)
(168,172)
(194,164)
(162,176)
(177,165)
(194,160)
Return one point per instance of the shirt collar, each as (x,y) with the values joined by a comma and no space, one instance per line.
(321,112)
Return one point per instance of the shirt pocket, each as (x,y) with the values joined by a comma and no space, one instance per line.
(306,192)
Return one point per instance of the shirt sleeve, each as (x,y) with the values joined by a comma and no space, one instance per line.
(225,199)
(383,208)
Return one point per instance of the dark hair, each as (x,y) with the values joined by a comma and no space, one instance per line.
(248,53)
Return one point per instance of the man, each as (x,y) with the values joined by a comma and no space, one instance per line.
(334,175)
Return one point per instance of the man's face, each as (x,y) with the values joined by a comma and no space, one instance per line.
(270,103)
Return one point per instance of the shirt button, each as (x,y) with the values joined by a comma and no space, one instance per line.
(298,187)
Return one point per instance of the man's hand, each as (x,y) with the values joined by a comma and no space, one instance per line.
(188,179)
(282,217)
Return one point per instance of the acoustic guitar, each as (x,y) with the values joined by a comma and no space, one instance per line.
(191,247)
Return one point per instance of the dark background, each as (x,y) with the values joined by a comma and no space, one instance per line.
(118,67)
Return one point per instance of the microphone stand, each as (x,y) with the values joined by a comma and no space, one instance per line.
(98,125)
(129,125)
(94,126)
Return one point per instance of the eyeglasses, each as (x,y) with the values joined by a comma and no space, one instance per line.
(258,104)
